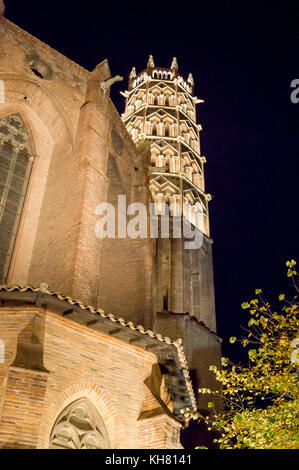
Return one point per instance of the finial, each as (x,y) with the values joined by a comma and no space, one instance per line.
(132,73)
(190,79)
(174,64)
(150,62)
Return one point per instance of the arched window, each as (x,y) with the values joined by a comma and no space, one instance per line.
(155,129)
(155,100)
(16,156)
(79,426)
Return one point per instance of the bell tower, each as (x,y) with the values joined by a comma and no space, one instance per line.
(161,110)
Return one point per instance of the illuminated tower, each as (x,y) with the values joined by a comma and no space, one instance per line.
(161,108)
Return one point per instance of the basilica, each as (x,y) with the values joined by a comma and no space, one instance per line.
(103,340)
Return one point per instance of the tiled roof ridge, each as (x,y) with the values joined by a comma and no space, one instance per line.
(43,288)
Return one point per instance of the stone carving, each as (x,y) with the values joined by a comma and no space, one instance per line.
(13,131)
(107,83)
(79,426)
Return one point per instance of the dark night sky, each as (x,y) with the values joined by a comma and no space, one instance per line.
(243,56)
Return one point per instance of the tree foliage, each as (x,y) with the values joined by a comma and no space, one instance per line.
(261,398)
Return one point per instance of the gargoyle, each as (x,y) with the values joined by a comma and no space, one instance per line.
(107,83)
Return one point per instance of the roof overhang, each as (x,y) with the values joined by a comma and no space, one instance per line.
(170,353)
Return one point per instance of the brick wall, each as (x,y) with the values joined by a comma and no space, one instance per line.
(77,362)
(72,124)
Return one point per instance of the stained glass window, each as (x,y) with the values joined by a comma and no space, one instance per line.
(16,156)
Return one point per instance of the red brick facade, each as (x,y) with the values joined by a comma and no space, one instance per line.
(77,363)
(83,155)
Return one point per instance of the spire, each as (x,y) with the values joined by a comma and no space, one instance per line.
(150,62)
(132,73)
(174,64)
(190,79)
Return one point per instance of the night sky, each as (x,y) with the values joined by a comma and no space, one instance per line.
(243,57)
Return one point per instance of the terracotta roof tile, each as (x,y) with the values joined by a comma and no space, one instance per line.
(43,288)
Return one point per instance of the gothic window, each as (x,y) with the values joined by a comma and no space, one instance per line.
(79,426)
(16,156)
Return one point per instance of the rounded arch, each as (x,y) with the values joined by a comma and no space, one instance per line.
(100,401)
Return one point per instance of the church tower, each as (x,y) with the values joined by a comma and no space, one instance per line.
(161,110)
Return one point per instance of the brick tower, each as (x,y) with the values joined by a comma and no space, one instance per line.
(161,110)
(160,107)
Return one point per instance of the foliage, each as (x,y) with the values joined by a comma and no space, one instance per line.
(260,399)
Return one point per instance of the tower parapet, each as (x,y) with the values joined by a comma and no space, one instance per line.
(161,109)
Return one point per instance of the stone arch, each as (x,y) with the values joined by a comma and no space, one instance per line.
(100,401)
(42,148)
(79,426)
(51,132)
(17,153)
(19,89)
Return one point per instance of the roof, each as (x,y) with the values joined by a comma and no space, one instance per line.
(170,353)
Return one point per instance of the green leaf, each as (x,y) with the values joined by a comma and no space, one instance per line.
(258,291)
(210,404)
(281,296)
(252,354)
(245,305)
(232,339)
(224,361)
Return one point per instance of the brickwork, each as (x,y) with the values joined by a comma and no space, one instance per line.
(83,155)
(71,123)
(78,363)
